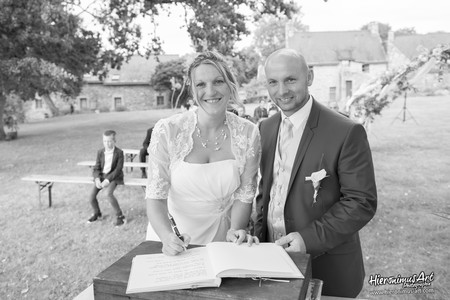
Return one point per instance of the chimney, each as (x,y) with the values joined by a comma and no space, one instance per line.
(288,33)
(373,28)
(390,36)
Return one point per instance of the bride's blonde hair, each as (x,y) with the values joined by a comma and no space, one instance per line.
(218,61)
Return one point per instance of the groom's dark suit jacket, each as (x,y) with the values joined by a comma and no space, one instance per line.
(346,201)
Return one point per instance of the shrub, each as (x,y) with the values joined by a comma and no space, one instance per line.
(103,109)
(121,108)
(13,113)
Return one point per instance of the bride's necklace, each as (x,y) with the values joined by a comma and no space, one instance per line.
(218,140)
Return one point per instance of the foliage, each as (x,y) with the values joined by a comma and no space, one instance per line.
(13,113)
(211,24)
(270,32)
(121,108)
(170,76)
(405,31)
(43,50)
(249,61)
(255,90)
(216,26)
(165,71)
(371,99)
(274,7)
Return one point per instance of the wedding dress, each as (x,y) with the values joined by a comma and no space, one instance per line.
(200,196)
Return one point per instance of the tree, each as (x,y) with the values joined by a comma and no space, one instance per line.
(42,50)
(270,33)
(45,48)
(246,64)
(170,76)
(216,26)
(405,31)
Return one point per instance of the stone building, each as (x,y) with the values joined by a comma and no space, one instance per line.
(341,60)
(126,89)
(403,49)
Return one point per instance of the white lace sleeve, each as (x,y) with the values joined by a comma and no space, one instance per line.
(158,159)
(246,191)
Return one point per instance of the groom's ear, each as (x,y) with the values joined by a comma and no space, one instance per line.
(310,76)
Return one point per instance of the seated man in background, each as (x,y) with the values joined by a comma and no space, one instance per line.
(242,114)
(143,152)
(260,111)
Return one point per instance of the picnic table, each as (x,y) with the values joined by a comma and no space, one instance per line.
(127,164)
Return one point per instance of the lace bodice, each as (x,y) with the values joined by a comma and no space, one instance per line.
(172,141)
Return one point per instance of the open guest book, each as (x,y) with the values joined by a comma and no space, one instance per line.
(206,266)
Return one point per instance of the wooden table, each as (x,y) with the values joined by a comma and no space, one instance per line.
(112,282)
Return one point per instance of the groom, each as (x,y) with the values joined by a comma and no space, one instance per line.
(317,187)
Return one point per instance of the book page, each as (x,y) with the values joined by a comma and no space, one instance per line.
(263,260)
(158,272)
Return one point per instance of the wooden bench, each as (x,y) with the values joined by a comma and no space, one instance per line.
(46,181)
(130,154)
(91,163)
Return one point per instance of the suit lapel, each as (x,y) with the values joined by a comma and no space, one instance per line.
(307,136)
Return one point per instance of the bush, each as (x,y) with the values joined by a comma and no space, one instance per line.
(103,109)
(13,113)
(121,108)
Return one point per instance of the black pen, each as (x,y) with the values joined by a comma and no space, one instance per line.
(175,228)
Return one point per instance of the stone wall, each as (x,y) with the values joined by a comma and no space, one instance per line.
(101,98)
(329,76)
(133,97)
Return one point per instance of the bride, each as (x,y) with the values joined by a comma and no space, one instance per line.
(203,165)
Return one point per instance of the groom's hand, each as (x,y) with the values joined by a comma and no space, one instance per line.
(293,242)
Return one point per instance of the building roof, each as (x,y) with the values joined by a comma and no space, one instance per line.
(410,45)
(138,70)
(330,47)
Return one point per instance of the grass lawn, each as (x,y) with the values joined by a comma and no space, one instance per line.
(51,253)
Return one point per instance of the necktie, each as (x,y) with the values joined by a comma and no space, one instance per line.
(286,135)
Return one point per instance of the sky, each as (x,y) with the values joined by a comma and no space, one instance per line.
(334,15)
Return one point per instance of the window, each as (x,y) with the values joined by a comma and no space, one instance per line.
(38,103)
(332,94)
(117,102)
(159,100)
(366,68)
(348,88)
(83,103)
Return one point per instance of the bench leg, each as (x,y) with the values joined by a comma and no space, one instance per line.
(130,157)
(49,189)
(41,186)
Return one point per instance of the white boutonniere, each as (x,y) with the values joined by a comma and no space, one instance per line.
(316,178)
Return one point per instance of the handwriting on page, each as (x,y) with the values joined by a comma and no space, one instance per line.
(180,269)
(173,269)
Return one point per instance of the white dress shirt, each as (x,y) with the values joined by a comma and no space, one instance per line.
(282,169)
(108,160)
